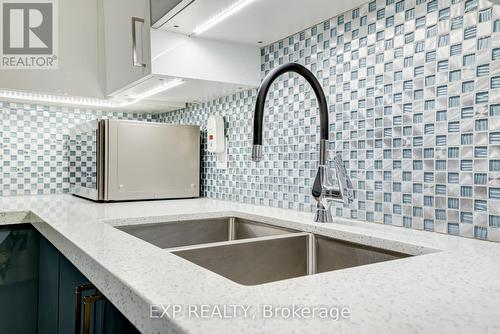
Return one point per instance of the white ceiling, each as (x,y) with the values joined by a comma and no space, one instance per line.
(263,20)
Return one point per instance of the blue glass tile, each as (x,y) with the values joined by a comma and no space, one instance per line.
(495,54)
(466,191)
(355,13)
(396,187)
(480,178)
(470,32)
(467,86)
(453,178)
(456,22)
(407,222)
(440,189)
(432,6)
(443,40)
(417,211)
(441,115)
(466,165)
(428,153)
(481,125)
(453,203)
(409,14)
(482,97)
(467,139)
(428,225)
(495,83)
(442,90)
(480,205)
(454,101)
(496,24)
(467,112)
(429,129)
(453,229)
(430,80)
(453,127)
(453,152)
(494,165)
(483,70)
(406,198)
(494,137)
(480,152)
(431,31)
(494,221)
(480,232)
(494,193)
(484,43)
(444,14)
(429,177)
(466,217)
(485,15)
(455,49)
(469,59)
(440,140)
(470,5)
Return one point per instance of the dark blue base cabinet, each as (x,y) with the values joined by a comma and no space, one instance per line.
(37,290)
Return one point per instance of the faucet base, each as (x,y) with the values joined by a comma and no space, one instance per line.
(323,215)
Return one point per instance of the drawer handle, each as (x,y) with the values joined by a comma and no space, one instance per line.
(87,303)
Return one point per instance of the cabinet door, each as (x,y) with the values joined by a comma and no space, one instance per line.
(127,42)
(48,287)
(18,279)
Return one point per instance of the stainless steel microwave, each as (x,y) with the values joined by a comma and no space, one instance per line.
(119,160)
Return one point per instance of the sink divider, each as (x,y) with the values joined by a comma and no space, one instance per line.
(231,226)
(312,264)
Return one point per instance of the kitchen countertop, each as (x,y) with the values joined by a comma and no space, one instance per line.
(453,286)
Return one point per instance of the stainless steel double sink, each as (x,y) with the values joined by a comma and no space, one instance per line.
(252,253)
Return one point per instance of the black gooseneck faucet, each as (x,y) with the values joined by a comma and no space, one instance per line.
(323,188)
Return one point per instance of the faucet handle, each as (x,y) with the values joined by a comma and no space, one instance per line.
(327,189)
(343,180)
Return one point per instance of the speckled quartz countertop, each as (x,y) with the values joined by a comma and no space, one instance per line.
(452,287)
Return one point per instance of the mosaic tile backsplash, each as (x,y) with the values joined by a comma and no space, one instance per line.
(35,147)
(414,100)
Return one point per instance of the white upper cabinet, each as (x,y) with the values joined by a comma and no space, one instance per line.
(141,59)
(127,42)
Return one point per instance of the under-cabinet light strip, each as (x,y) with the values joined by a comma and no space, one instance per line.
(231,10)
(59,99)
(154,91)
(84,101)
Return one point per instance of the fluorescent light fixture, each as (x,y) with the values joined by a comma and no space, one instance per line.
(84,101)
(222,16)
